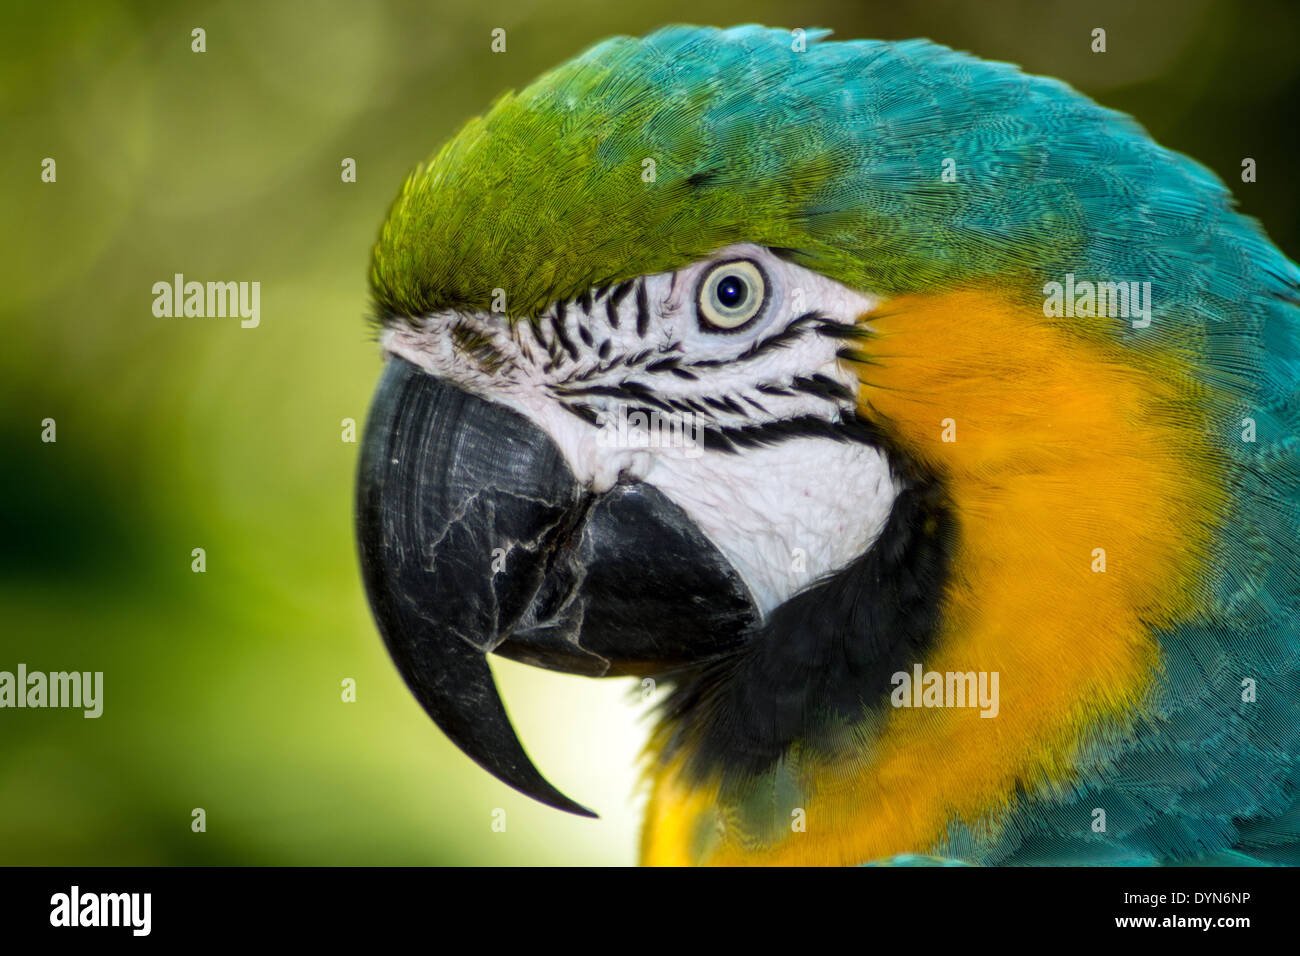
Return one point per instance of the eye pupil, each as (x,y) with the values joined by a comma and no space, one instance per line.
(731,292)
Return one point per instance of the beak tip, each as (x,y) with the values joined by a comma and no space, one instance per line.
(580,811)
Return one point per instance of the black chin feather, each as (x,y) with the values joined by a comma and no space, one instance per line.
(822,660)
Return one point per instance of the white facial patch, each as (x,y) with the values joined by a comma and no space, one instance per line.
(786,515)
(628,378)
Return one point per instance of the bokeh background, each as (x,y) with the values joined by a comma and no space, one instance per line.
(223,689)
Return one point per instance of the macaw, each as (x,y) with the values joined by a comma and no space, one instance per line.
(925,430)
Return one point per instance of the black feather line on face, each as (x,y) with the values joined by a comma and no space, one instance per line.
(638,358)
(562,333)
(765,435)
(582,411)
(824,659)
(620,292)
(820,386)
(808,322)
(642,310)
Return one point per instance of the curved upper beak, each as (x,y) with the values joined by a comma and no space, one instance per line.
(474,536)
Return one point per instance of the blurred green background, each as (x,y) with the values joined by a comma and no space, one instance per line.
(223,689)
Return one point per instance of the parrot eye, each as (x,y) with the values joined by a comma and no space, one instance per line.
(731,295)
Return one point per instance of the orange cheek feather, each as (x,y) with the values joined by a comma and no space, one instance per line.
(1061,443)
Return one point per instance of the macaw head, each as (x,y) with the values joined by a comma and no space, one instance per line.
(885,403)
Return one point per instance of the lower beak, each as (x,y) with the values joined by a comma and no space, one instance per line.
(475,537)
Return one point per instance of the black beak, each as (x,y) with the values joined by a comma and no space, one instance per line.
(475,537)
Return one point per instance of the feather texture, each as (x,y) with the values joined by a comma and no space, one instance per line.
(835,155)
